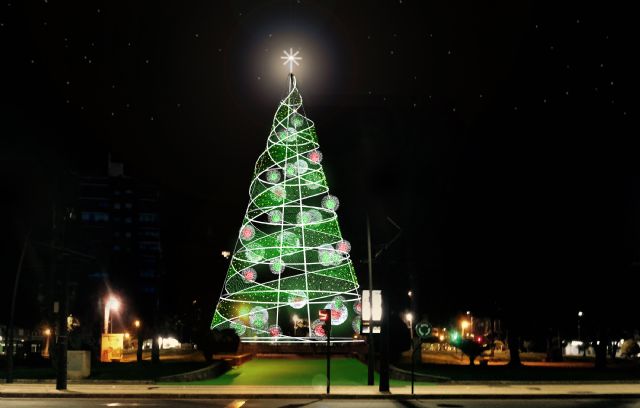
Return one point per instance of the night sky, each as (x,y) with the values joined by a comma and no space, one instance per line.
(501,137)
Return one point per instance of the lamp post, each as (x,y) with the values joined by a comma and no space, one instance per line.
(579,317)
(463,325)
(111,304)
(409,318)
(140,341)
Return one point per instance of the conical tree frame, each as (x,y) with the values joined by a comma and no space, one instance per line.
(290,259)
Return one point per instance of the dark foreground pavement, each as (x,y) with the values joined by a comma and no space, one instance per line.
(315,403)
(435,392)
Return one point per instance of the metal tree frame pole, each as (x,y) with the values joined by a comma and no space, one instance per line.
(10,329)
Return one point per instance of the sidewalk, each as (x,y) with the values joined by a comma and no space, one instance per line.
(486,391)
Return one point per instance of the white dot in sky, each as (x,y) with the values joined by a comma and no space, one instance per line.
(197,35)
(391,52)
(146,61)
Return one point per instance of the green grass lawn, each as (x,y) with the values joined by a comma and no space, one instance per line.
(344,371)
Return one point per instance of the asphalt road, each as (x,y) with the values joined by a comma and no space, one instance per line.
(228,403)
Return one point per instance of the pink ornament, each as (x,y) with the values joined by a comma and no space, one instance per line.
(249,275)
(343,246)
(315,156)
(247,232)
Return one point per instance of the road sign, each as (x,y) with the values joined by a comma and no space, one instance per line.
(423,330)
(375,306)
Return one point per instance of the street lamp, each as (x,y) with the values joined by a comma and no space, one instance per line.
(409,318)
(464,325)
(140,341)
(579,316)
(111,304)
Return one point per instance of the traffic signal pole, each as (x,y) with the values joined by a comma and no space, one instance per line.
(329,360)
(325,316)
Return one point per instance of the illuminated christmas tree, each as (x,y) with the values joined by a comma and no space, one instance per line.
(290,259)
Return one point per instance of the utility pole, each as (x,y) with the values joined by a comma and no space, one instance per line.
(10,329)
(371,365)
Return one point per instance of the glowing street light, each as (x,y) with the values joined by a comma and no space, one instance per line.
(137,324)
(409,318)
(111,304)
(464,324)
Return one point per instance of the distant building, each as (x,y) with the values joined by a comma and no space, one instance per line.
(118,223)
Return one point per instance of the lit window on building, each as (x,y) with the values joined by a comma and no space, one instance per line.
(94,216)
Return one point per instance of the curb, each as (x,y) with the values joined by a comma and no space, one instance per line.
(64,394)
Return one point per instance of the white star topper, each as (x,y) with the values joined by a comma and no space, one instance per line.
(290,58)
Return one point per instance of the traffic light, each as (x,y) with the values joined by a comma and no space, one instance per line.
(325,316)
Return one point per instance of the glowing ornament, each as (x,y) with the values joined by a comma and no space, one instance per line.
(289,239)
(330,202)
(288,135)
(254,252)
(317,329)
(247,232)
(316,216)
(274,330)
(357,307)
(277,266)
(339,313)
(304,218)
(301,166)
(356,324)
(297,120)
(279,192)
(315,156)
(258,317)
(297,299)
(290,170)
(343,246)
(249,275)
(328,256)
(273,176)
(275,216)
(238,327)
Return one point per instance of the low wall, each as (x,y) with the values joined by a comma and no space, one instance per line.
(212,371)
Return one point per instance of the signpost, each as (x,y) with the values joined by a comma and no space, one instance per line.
(423,330)
(325,316)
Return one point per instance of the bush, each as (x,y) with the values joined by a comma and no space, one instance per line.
(217,341)
(630,349)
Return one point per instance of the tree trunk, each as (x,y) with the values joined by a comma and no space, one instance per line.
(601,350)
(514,351)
